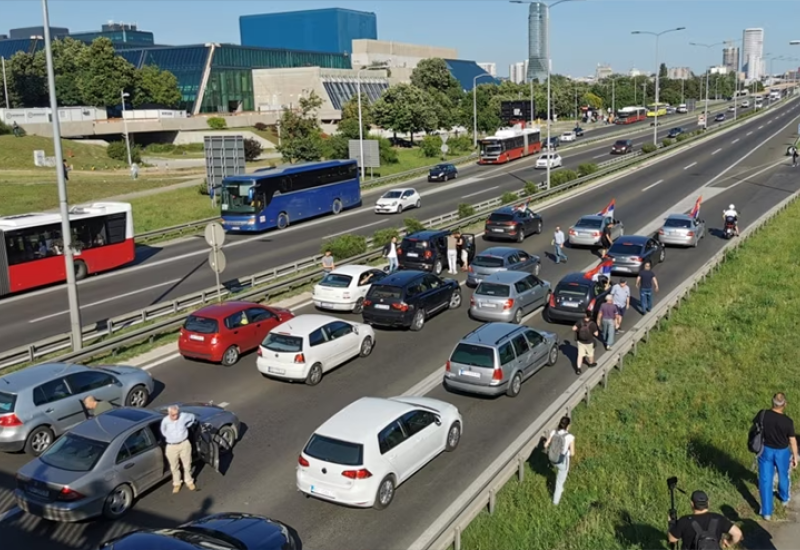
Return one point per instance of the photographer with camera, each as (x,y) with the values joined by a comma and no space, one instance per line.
(702,530)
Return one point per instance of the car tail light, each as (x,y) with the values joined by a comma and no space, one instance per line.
(508,304)
(640,260)
(591,305)
(472,301)
(552,300)
(214,340)
(447,366)
(363,473)
(367,303)
(399,250)
(690,234)
(302,461)
(402,306)
(10,421)
(595,233)
(661,231)
(260,353)
(572,232)
(428,254)
(69,495)
(299,358)
(510,224)
(497,375)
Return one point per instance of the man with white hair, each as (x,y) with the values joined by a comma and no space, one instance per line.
(175,429)
(779,453)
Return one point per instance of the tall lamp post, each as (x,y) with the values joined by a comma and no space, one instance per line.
(66,229)
(122,95)
(708,71)
(360,124)
(549,64)
(475,107)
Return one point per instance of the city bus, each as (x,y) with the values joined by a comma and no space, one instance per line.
(32,249)
(629,115)
(657,109)
(275,197)
(509,144)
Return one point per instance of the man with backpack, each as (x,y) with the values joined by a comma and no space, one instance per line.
(703,530)
(560,448)
(586,331)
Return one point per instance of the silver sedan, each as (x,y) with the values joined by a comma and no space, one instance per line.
(589,230)
(681,230)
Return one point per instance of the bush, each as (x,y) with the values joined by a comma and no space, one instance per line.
(383,237)
(667,142)
(160,148)
(531,188)
(587,168)
(345,246)
(508,197)
(682,137)
(648,148)
(216,123)
(117,150)
(413,225)
(252,149)
(460,144)
(430,146)
(562,176)
(387,152)
(260,126)
(465,210)
(5,129)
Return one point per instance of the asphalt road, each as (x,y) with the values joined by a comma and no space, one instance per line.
(748,169)
(176,270)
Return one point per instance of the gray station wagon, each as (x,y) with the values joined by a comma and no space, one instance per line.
(501,258)
(496,357)
(508,296)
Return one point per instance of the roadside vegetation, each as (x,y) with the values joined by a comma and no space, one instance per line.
(171,208)
(16,153)
(681,408)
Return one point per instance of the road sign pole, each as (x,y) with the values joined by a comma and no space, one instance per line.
(215,237)
(216,263)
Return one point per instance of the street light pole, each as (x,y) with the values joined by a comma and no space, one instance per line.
(5,84)
(475,107)
(66,228)
(708,70)
(122,96)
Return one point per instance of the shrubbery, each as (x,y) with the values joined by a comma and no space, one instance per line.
(465,210)
(7,130)
(430,146)
(260,126)
(531,188)
(648,148)
(508,197)
(561,177)
(413,225)
(252,149)
(667,142)
(587,168)
(345,246)
(682,137)
(384,236)
(117,150)
(217,123)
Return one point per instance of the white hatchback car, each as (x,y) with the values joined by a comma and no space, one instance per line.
(395,201)
(344,288)
(307,346)
(553,158)
(366,450)
(568,136)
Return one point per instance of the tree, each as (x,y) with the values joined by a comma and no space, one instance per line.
(433,77)
(662,71)
(66,56)
(152,85)
(252,149)
(104,74)
(27,86)
(301,136)
(406,109)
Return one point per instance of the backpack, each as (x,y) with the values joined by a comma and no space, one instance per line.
(755,438)
(706,540)
(558,448)
(584,334)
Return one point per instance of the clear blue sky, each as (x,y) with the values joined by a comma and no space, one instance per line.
(583,33)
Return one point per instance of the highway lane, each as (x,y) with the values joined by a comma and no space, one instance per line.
(186,270)
(280,416)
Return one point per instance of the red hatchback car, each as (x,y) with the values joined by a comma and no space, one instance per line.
(222,332)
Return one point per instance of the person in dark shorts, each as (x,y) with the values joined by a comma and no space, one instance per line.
(703,526)
(622,299)
(605,240)
(586,331)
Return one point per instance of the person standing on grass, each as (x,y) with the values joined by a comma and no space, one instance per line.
(65,167)
(585,331)
(558,243)
(703,529)
(647,283)
(621,295)
(779,453)
(328,264)
(452,254)
(560,448)
(607,319)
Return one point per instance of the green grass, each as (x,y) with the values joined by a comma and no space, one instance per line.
(409,159)
(17,153)
(682,407)
(170,208)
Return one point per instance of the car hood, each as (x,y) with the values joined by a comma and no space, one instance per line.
(38,470)
(383,200)
(205,412)
(253,531)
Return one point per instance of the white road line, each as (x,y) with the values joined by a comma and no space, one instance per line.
(355,229)
(106,300)
(165,359)
(760,126)
(734,141)
(652,185)
(13,512)
(600,156)
(687,167)
(482,191)
(717,151)
(748,133)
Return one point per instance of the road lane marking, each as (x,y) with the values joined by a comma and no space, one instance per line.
(734,141)
(760,126)
(653,185)
(12,513)
(483,191)
(354,229)
(717,151)
(687,167)
(600,156)
(748,133)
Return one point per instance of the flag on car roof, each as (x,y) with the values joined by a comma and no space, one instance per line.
(603,268)
(608,211)
(696,210)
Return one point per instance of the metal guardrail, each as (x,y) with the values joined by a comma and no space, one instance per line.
(246,288)
(446,531)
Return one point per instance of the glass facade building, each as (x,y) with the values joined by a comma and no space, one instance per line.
(342,90)
(538,45)
(121,36)
(466,71)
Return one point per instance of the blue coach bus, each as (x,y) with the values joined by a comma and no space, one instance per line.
(276,197)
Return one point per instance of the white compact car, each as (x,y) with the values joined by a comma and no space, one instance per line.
(568,136)
(553,158)
(366,450)
(395,201)
(307,346)
(344,288)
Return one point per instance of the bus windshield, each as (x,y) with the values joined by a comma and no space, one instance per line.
(491,147)
(236,197)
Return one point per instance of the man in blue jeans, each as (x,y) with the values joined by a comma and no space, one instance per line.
(646,282)
(558,243)
(779,453)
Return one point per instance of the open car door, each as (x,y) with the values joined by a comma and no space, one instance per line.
(207,444)
(469,240)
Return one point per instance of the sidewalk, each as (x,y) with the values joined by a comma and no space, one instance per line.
(776,534)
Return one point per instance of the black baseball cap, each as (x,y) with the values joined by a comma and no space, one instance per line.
(700,500)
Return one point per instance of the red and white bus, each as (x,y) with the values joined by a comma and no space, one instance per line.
(509,144)
(629,115)
(31,246)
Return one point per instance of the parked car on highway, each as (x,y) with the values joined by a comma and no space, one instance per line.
(512,223)
(719,118)
(365,451)
(395,201)
(102,465)
(39,403)
(306,347)
(572,297)
(501,258)
(228,530)
(443,172)
(681,230)
(675,132)
(508,296)
(553,159)
(496,358)
(554,143)
(568,136)
(682,109)
(345,288)
(409,298)
(427,250)
(578,131)
(632,251)
(622,146)
(671,110)
(745,104)
(221,333)
(731,109)
(589,230)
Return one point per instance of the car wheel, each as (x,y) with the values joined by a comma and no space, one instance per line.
(536,269)
(366,347)
(418,203)
(230,356)
(418,321)
(552,357)
(336,207)
(520,235)
(81,271)
(138,397)
(283,220)
(518,317)
(514,386)
(455,300)
(118,502)
(546,312)
(385,493)
(662,255)
(359,307)
(437,267)
(314,375)
(453,437)
(39,440)
(228,435)
(399,209)
(539,228)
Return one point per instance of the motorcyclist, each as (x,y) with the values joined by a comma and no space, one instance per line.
(732,213)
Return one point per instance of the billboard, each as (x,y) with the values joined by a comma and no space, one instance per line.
(516,110)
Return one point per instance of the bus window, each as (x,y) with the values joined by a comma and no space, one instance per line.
(25,245)
(237,198)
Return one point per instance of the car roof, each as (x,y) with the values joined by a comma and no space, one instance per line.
(399,278)
(505,277)
(632,239)
(576,277)
(352,269)
(220,311)
(443,165)
(500,251)
(109,425)
(623,141)
(362,419)
(684,217)
(490,334)
(304,324)
(37,374)
(506,210)
(593,217)
(427,234)
(399,189)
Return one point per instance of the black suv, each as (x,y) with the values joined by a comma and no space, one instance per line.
(427,250)
(510,223)
(408,298)
(573,296)
(443,172)
(622,146)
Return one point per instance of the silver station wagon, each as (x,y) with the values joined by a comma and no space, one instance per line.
(501,258)
(508,296)
(589,230)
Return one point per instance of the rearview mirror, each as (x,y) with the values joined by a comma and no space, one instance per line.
(437,420)
(355,329)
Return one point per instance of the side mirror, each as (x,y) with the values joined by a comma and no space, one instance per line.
(355,329)
(437,420)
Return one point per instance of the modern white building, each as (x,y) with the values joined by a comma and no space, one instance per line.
(633,73)
(721,69)
(603,71)
(753,53)
(679,73)
(489,67)
(518,72)
(400,58)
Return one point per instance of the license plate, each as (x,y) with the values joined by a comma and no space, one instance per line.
(196,337)
(621,268)
(38,492)
(413,255)
(327,305)
(487,304)
(381,306)
(469,373)
(496,230)
(275,370)
(317,491)
(570,304)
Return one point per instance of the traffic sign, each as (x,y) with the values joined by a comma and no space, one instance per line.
(215,235)
(444,137)
(217,260)
(444,148)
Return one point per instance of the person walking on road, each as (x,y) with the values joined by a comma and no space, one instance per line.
(779,453)
(558,244)
(560,448)
(703,529)
(585,331)
(607,319)
(328,264)
(647,283)
(605,240)
(175,429)
(794,157)
(390,253)
(452,254)
(621,295)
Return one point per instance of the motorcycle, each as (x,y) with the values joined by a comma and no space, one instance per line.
(730,228)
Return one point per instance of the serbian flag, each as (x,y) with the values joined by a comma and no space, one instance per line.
(696,210)
(608,211)
(604,268)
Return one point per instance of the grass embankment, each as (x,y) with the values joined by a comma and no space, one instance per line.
(170,208)
(682,407)
(17,153)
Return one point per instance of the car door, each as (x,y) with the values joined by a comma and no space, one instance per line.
(262,321)
(524,353)
(99,384)
(526,262)
(699,229)
(437,292)
(538,291)
(651,252)
(616,230)
(55,402)
(206,444)
(240,332)
(524,292)
(140,460)
(401,457)
(539,349)
(423,430)
(511,262)
(469,241)
(344,342)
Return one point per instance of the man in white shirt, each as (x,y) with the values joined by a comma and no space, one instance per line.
(175,429)
(562,466)
(558,243)
(732,213)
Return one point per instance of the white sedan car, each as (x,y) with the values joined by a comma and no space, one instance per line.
(363,452)
(553,158)
(344,288)
(568,136)
(308,346)
(395,201)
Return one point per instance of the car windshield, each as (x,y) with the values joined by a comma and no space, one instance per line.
(283,343)
(621,142)
(625,249)
(7,402)
(392,195)
(677,222)
(493,289)
(438,169)
(74,453)
(336,451)
(475,356)
(572,290)
(499,217)
(592,223)
(336,280)
(384,291)
(487,261)
(414,245)
(202,325)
